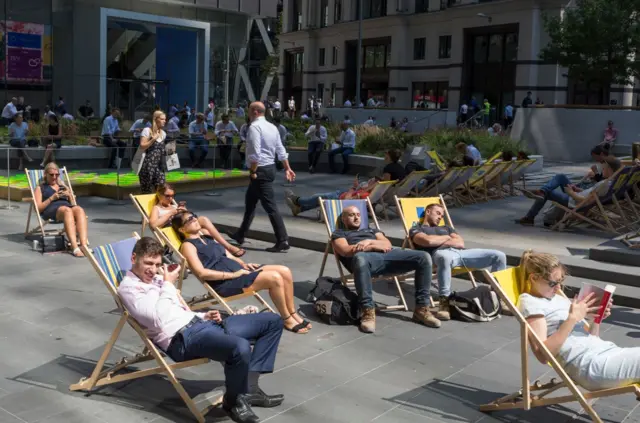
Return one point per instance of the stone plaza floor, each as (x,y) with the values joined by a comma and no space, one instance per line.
(56,316)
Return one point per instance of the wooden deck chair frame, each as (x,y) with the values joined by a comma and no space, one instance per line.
(461,183)
(33,208)
(377,195)
(536,394)
(442,184)
(212,298)
(139,201)
(518,174)
(108,376)
(490,179)
(346,278)
(406,224)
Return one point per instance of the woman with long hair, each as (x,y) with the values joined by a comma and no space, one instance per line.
(55,201)
(166,208)
(559,322)
(230,276)
(152,143)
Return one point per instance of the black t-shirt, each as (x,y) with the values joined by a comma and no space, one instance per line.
(85,111)
(431,230)
(395,170)
(354,237)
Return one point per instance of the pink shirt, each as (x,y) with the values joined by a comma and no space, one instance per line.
(610,134)
(157,306)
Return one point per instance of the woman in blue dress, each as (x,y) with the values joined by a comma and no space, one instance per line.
(56,202)
(229,275)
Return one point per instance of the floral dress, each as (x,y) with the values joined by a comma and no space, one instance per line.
(152,170)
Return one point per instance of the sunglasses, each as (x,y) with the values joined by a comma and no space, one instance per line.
(553,284)
(189,220)
(53,174)
(169,195)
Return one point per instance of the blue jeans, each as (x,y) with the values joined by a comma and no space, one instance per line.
(311,202)
(554,191)
(448,258)
(229,342)
(346,152)
(194,144)
(369,264)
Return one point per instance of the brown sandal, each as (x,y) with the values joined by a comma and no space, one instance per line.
(241,252)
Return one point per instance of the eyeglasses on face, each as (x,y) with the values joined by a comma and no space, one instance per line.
(53,174)
(189,220)
(552,283)
(169,195)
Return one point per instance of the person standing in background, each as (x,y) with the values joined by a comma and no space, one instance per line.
(527,101)
(317,136)
(110,130)
(242,146)
(9,112)
(292,107)
(263,144)
(151,173)
(508,115)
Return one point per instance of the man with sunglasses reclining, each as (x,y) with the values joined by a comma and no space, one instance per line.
(368,253)
(446,248)
(148,291)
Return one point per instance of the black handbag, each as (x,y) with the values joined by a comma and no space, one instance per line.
(53,244)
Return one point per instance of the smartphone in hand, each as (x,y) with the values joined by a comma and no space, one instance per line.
(182,204)
(172,267)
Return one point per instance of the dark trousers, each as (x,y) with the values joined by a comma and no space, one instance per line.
(229,343)
(345,152)
(261,189)
(19,144)
(226,147)
(314,151)
(397,261)
(195,144)
(117,147)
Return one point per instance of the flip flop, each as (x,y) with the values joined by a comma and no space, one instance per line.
(241,252)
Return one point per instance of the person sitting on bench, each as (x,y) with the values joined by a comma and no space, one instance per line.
(148,292)
(230,276)
(166,208)
(368,253)
(358,191)
(446,248)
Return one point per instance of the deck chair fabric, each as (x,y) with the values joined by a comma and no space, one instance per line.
(331,211)
(144,204)
(410,182)
(509,284)
(168,237)
(442,184)
(35,178)
(486,178)
(111,262)
(460,182)
(412,214)
(518,173)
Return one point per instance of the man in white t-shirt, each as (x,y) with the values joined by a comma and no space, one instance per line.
(347,103)
(370,122)
(277,107)
(9,111)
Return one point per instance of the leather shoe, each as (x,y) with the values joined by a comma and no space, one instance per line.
(240,412)
(260,399)
(279,247)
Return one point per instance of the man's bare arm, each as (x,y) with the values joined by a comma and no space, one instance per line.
(342,247)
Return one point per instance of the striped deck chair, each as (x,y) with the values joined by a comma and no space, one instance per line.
(412,214)
(35,177)
(517,174)
(406,187)
(168,237)
(144,203)
(486,178)
(440,164)
(442,184)
(509,284)
(460,183)
(497,156)
(111,263)
(377,195)
(332,210)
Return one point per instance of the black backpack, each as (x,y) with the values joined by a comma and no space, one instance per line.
(478,304)
(335,304)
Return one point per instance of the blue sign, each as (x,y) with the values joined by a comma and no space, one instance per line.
(17,39)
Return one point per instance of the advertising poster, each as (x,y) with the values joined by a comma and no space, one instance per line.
(25,52)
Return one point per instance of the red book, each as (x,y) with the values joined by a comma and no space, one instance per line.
(603,296)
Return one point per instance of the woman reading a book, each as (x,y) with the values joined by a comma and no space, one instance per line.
(559,322)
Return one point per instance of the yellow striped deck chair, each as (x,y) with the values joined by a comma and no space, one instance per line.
(144,203)
(412,214)
(509,284)
(497,156)
(440,164)
(111,262)
(331,211)
(443,184)
(518,174)
(481,181)
(35,177)
(169,237)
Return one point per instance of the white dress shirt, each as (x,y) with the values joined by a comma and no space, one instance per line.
(277,106)
(348,138)
(157,306)
(347,103)
(110,126)
(9,111)
(263,143)
(228,127)
(197,129)
(239,112)
(292,104)
(313,137)
(138,126)
(244,129)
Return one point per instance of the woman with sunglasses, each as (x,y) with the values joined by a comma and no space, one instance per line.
(229,275)
(55,202)
(166,209)
(559,322)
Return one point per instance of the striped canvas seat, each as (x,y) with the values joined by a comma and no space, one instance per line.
(333,209)
(35,178)
(115,260)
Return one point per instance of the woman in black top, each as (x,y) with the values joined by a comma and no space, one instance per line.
(394,170)
(51,141)
(230,276)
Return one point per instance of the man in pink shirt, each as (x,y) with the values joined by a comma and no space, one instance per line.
(148,291)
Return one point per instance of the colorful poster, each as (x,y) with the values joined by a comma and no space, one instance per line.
(25,51)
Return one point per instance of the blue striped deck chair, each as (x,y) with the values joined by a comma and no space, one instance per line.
(111,262)
(331,211)
(35,177)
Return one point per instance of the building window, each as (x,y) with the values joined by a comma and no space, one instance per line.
(422,6)
(377,56)
(495,48)
(324,13)
(430,95)
(334,56)
(321,57)
(320,92)
(337,11)
(297,15)
(371,9)
(444,47)
(332,100)
(419,48)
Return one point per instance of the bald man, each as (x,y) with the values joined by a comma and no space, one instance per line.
(366,252)
(263,146)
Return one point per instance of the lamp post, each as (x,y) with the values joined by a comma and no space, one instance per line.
(360,54)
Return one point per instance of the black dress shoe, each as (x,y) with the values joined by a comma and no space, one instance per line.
(279,247)
(240,412)
(260,399)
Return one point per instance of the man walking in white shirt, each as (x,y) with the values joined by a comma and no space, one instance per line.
(148,292)
(347,145)
(225,130)
(317,136)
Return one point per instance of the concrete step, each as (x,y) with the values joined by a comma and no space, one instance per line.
(616,252)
